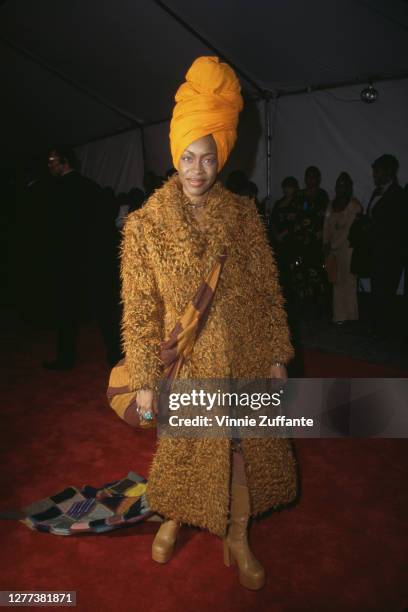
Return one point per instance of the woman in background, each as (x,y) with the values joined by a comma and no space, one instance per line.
(339,217)
(309,279)
(281,226)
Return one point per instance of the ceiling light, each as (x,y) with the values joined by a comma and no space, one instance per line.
(369,94)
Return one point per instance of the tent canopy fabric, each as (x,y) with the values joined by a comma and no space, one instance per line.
(74,71)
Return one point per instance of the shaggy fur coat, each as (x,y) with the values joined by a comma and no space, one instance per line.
(164,257)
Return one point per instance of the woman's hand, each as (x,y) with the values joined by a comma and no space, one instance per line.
(146,403)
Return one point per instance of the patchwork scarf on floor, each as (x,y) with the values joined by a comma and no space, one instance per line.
(89,509)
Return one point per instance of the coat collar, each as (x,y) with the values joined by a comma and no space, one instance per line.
(177,216)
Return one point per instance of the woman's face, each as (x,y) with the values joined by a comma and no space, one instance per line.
(312,179)
(289,191)
(342,186)
(198,167)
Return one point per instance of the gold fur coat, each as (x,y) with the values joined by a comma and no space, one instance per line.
(164,257)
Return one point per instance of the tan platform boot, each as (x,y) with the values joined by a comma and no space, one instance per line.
(164,541)
(236,547)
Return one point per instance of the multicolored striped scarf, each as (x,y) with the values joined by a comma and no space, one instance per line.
(174,350)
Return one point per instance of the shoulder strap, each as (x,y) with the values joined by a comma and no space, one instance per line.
(181,340)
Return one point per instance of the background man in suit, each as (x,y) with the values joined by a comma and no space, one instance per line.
(387,210)
(83,250)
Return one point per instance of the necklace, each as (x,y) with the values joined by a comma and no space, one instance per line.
(199,205)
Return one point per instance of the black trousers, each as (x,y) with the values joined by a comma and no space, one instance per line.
(385,279)
(99,301)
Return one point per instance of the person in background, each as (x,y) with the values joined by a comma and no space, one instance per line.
(281,226)
(72,196)
(310,285)
(387,212)
(136,199)
(405,263)
(151,182)
(253,194)
(283,216)
(238,183)
(127,203)
(339,217)
(124,203)
(103,273)
(82,250)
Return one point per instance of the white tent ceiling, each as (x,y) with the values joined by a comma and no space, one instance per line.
(73,71)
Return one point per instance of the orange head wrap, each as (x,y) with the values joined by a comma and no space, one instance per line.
(207,103)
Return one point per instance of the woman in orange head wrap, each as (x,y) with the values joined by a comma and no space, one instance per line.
(179,237)
(209,102)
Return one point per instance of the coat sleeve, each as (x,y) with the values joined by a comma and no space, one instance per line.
(142,321)
(265,280)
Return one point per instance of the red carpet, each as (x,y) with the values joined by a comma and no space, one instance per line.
(342,548)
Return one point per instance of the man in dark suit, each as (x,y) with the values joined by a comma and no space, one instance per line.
(79,217)
(386,212)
